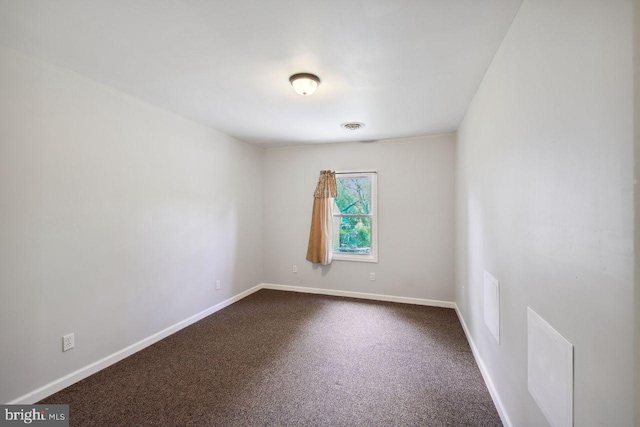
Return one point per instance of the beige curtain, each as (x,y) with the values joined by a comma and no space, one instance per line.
(321,234)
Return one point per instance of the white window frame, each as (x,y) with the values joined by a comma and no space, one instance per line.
(373,256)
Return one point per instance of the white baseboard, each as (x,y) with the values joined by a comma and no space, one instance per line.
(82,373)
(361,295)
(485,373)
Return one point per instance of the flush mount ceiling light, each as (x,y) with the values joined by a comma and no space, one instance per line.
(304,83)
(352,125)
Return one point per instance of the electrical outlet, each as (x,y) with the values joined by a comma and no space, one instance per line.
(217,285)
(68,342)
(372,276)
(295,269)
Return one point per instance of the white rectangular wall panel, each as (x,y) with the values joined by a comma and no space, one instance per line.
(492,305)
(550,370)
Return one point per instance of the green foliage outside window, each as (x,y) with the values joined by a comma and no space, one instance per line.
(354,198)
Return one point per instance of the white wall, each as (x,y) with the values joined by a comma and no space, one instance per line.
(544,202)
(116,219)
(416,217)
(636,75)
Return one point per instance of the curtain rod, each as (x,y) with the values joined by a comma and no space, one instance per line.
(358,171)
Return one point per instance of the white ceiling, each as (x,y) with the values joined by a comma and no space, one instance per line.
(402,67)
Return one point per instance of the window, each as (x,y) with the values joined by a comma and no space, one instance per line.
(355,222)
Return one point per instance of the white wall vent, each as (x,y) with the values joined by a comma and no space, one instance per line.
(492,305)
(550,370)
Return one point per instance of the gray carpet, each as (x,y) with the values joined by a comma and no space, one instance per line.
(288,359)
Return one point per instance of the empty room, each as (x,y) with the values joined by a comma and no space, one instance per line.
(335,213)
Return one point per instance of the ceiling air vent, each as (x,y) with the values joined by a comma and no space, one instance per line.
(352,125)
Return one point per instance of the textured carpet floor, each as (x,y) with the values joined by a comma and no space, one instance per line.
(288,359)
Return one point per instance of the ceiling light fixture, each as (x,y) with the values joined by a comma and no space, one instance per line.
(352,125)
(304,83)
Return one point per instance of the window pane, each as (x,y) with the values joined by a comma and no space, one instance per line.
(354,195)
(354,236)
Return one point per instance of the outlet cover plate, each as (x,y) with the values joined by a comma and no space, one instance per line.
(68,342)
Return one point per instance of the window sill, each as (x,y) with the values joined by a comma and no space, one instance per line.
(355,258)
